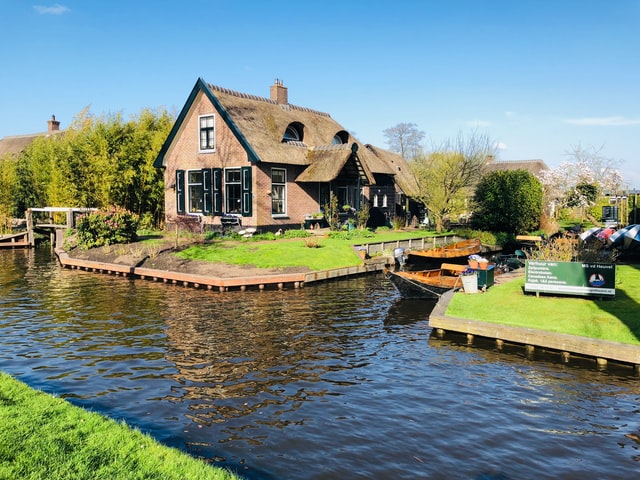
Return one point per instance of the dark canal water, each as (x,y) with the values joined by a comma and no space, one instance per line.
(339,380)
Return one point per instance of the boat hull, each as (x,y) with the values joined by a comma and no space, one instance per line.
(455,250)
(425,284)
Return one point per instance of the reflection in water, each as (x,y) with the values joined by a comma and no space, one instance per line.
(338,380)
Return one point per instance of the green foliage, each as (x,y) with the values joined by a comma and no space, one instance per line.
(295,234)
(8,185)
(446,176)
(106,227)
(332,214)
(97,162)
(502,239)
(362,215)
(508,200)
(583,195)
(352,234)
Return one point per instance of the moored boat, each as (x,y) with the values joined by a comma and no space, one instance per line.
(460,249)
(429,284)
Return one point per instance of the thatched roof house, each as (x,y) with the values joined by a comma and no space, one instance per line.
(269,164)
(12,146)
(531,166)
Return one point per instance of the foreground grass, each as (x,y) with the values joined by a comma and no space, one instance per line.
(46,437)
(616,319)
(316,253)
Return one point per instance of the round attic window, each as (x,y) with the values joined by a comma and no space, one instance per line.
(293,133)
(340,138)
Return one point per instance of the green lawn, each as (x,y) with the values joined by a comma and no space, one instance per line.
(617,320)
(329,252)
(42,436)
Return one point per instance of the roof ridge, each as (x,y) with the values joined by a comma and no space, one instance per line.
(257,98)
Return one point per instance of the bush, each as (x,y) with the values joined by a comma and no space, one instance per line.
(107,227)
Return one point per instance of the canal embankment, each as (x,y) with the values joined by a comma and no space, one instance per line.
(520,322)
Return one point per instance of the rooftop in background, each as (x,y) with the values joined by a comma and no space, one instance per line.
(14,145)
(533,166)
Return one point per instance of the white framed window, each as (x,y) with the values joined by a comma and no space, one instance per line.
(194,191)
(384,201)
(207,133)
(278,191)
(233,190)
(375,199)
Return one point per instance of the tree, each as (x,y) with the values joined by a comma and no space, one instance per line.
(581,180)
(446,176)
(98,162)
(405,139)
(508,201)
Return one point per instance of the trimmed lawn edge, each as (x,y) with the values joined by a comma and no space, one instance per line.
(43,436)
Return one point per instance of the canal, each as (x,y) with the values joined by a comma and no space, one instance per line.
(335,380)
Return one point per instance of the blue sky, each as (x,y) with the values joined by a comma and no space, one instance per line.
(538,77)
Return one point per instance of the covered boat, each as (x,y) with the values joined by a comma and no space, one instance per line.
(454,250)
(429,284)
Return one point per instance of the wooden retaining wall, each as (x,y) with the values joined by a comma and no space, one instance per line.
(566,345)
(279,281)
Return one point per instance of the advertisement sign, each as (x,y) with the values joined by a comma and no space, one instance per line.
(571,278)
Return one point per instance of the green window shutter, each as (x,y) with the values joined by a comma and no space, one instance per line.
(216,187)
(247,194)
(180,193)
(207,197)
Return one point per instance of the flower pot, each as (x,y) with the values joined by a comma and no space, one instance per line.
(473,264)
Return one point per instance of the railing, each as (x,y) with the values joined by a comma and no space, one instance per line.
(52,215)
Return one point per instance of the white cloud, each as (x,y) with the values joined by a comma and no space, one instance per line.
(479,123)
(603,121)
(56,9)
(500,146)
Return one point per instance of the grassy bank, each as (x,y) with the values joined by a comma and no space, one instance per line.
(316,252)
(616,320)
(42,436)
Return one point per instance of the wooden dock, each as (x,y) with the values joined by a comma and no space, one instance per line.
(15,240)
(565,345)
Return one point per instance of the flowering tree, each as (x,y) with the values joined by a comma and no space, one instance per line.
(579,182)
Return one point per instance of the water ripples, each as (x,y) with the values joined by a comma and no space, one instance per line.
(337,380)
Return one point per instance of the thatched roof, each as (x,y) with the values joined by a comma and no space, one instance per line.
(260,123)
(532,166)
(16,144)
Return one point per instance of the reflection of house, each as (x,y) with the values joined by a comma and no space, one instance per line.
(268,163)
(14,145)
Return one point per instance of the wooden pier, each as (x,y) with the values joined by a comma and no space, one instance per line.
(15,240)
(46,219)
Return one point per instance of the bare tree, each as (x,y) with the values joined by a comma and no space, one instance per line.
(446,175)
(405,139)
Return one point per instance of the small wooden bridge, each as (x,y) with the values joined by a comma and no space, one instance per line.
(48,220)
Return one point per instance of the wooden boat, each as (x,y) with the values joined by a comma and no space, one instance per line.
(454,250)
(430,284)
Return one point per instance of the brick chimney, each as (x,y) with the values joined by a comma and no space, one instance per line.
(54,125)
(279,92)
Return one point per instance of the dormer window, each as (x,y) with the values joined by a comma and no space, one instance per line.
(293,133)
(207,133)
(341,138)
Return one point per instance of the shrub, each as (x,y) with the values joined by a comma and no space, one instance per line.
(106,227)
(296,234)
